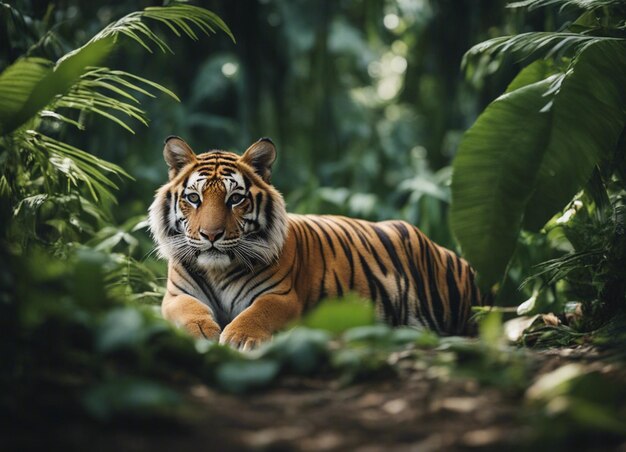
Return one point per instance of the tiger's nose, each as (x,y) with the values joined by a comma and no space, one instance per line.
(213,235)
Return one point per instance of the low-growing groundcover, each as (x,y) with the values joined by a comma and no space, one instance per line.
(125,377)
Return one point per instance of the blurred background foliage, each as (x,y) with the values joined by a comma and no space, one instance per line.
(365,100)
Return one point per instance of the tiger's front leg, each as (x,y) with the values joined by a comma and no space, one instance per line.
(191,314)
(259,321)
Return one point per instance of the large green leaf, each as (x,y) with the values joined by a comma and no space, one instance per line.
(31,83)
(17,82)
(588,115)
(533,149)
(493,176)
(65,74)
(534,72)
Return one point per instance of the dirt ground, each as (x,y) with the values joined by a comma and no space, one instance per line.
(415,411)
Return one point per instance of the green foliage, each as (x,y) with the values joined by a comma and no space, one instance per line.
(536,146)
(367,117)
(69,328)
(584,4)
(134,398)
(492,171)
(71,337)
(592,272)
(341,314)
(577,403)
(32,83)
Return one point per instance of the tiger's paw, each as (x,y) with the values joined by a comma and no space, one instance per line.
(244,340)
(203,328)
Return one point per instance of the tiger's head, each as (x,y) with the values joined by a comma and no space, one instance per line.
(219,209)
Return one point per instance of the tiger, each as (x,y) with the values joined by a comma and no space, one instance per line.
(240,267)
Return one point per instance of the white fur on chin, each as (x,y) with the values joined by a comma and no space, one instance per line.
(214,262)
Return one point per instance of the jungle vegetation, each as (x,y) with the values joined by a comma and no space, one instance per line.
(498,128)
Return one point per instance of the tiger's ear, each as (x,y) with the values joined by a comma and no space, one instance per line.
(260,157)
(177,154)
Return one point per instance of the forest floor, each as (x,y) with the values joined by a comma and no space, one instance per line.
(415,408)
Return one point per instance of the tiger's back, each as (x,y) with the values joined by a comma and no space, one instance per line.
(412,280)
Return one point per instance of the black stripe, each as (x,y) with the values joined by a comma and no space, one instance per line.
(181,289)
(301,237)
(345,231)
(243,286)
(257,208)
(250,289)
(454,296)
(347,251)
(269,211)
(167,206)
(207,290)
(368,246)
(359,234)
(418,282)
(266,290)
(338,284)
(358,226)
(184,278)
(237,273)
(314,233)
(246,181)
(224,156)
(225,164)
(389,247)
(369,277)
(211,155)
(401,228)
(437,301)
(326,235)
(376,287)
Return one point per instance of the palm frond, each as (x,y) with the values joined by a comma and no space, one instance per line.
(536,44)
(180,19)
(30,84)
(95,93)
(17,82)
(581,4)
(75,165)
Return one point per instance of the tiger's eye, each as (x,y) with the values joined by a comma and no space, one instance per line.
(235,199)
(193,198)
